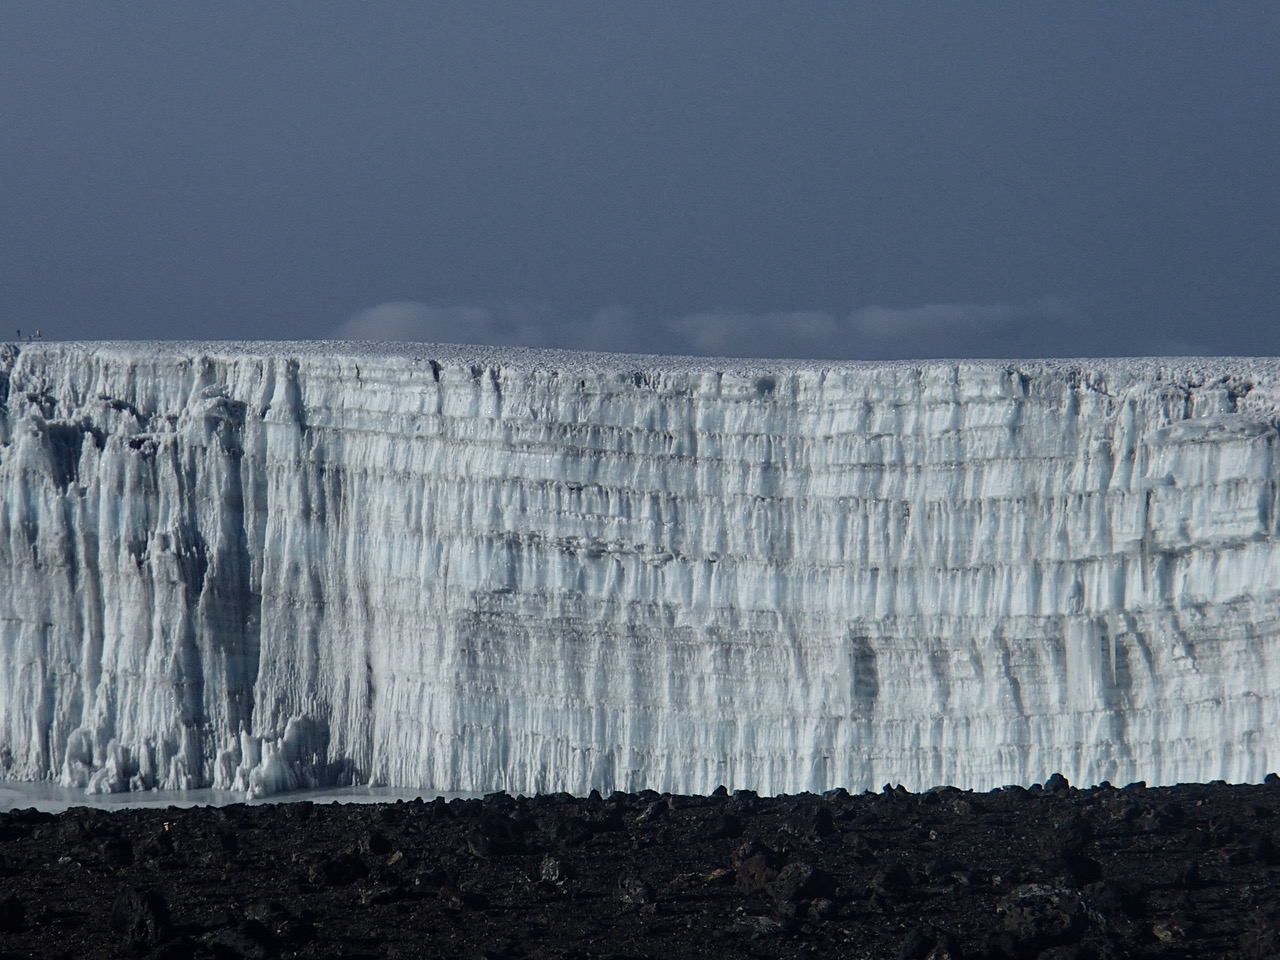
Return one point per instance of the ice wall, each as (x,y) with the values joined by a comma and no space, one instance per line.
(274,565)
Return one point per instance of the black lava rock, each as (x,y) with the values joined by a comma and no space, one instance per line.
(141,917)
(13,913)
(1056,873)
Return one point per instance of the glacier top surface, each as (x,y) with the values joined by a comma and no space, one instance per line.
(578,361)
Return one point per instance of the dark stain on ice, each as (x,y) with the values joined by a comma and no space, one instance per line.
(43,402)
(143,443)
(1010,678)
(866,675)
(1117,684)
(65,441)
(1021,380)
(191,555)
(120,406)
(1237,390)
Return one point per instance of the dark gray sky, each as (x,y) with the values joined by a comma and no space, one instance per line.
(836,179)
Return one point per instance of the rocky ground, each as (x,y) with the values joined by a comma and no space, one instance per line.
(1050,872)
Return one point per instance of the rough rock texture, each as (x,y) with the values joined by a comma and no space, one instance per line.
(1051,873)
(274,565)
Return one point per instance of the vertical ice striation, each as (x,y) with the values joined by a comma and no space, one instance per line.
(274,565)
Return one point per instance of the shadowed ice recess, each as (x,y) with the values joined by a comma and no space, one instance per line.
(273,566)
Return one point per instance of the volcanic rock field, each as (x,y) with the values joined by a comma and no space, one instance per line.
(1049,872)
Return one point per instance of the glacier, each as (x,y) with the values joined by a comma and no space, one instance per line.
(270,566)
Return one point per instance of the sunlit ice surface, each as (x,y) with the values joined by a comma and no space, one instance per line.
(266,568)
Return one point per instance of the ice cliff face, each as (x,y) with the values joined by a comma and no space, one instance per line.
(272,565)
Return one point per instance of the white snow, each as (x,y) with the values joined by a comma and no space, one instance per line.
(270,566)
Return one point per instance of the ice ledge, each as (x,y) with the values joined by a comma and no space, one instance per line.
(267,566)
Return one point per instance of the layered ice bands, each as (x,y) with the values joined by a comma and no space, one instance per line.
(266,566)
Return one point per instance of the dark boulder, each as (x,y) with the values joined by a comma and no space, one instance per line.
(634,890)
(800,881)
(141,917)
